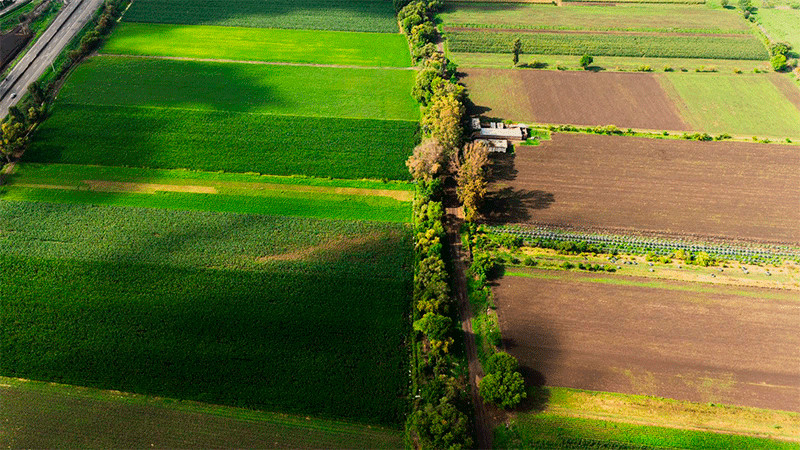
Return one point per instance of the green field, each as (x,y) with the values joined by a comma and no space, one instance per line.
(300,197)
(632,17)
(227,141)
(251,88)
(736,104)
(298,315)
(553,431)
(608,63)
(782,25)
(642,45)
(260,44)
(339,15)
(49,415)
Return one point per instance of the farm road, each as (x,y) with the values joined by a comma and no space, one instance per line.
(680,340)
(483,422)
(43,53)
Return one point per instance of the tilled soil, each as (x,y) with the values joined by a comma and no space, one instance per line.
(685,341)
(673,188)
(627,100)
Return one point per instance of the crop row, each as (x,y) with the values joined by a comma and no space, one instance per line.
(680,2)
(339,15)
(594,27)
(714,47)
(655,245)
(228,141)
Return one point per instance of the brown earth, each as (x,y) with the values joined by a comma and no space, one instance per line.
(581,331)
(57,416)
(627,100)
(671,188)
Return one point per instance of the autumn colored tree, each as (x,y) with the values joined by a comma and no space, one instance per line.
(470,169)
(442,121)
(427,161)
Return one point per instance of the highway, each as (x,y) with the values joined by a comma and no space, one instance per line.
(43,53)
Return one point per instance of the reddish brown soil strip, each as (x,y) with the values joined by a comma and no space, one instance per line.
(268,63)
(54,418)
(787,88)
(613,32)
(627,100)
(118,186)
(705,347)
(670,188)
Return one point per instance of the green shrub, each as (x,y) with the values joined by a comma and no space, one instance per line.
(778,62)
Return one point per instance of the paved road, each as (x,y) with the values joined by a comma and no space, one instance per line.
(70,20)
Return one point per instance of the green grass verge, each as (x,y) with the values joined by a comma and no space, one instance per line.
(734,104)
(659,46)
(260,44)
(607,63)
(35,406)
(227,141)
(339,15)
(781,24)
(631,17)
(553,431)
(252,88)
(266,312)
(79,185)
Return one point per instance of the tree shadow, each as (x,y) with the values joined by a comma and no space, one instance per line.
(509,205)
(534,65)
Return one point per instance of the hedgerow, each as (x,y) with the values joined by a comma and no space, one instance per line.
(660,46)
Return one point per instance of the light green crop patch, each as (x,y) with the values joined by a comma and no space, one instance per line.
(736,104)
(260,44)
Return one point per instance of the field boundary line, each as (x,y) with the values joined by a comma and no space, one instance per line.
(266,63)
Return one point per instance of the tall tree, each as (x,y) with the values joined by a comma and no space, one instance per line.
(14,139)
(470,169)
(516,49)
(442,121)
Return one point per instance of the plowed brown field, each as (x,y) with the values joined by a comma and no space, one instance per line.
(687,341)
(725,190)
(627,100)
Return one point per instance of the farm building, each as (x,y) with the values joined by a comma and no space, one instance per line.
(494,145)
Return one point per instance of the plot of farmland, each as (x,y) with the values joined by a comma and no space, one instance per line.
(737,104)
(668,187)
(46,415)
(668,339)
(653,45)
(209,191)
(260,44)
(781,24)
(233,142)
(252,88)
(267,312)
(579,98)
(635,17)
(233,117)
(340,15)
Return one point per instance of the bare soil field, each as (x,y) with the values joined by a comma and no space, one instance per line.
(627,100)
(673,188)
(40,415)
(680,340)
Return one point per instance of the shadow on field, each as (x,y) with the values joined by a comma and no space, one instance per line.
(508,205)
(537,351)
